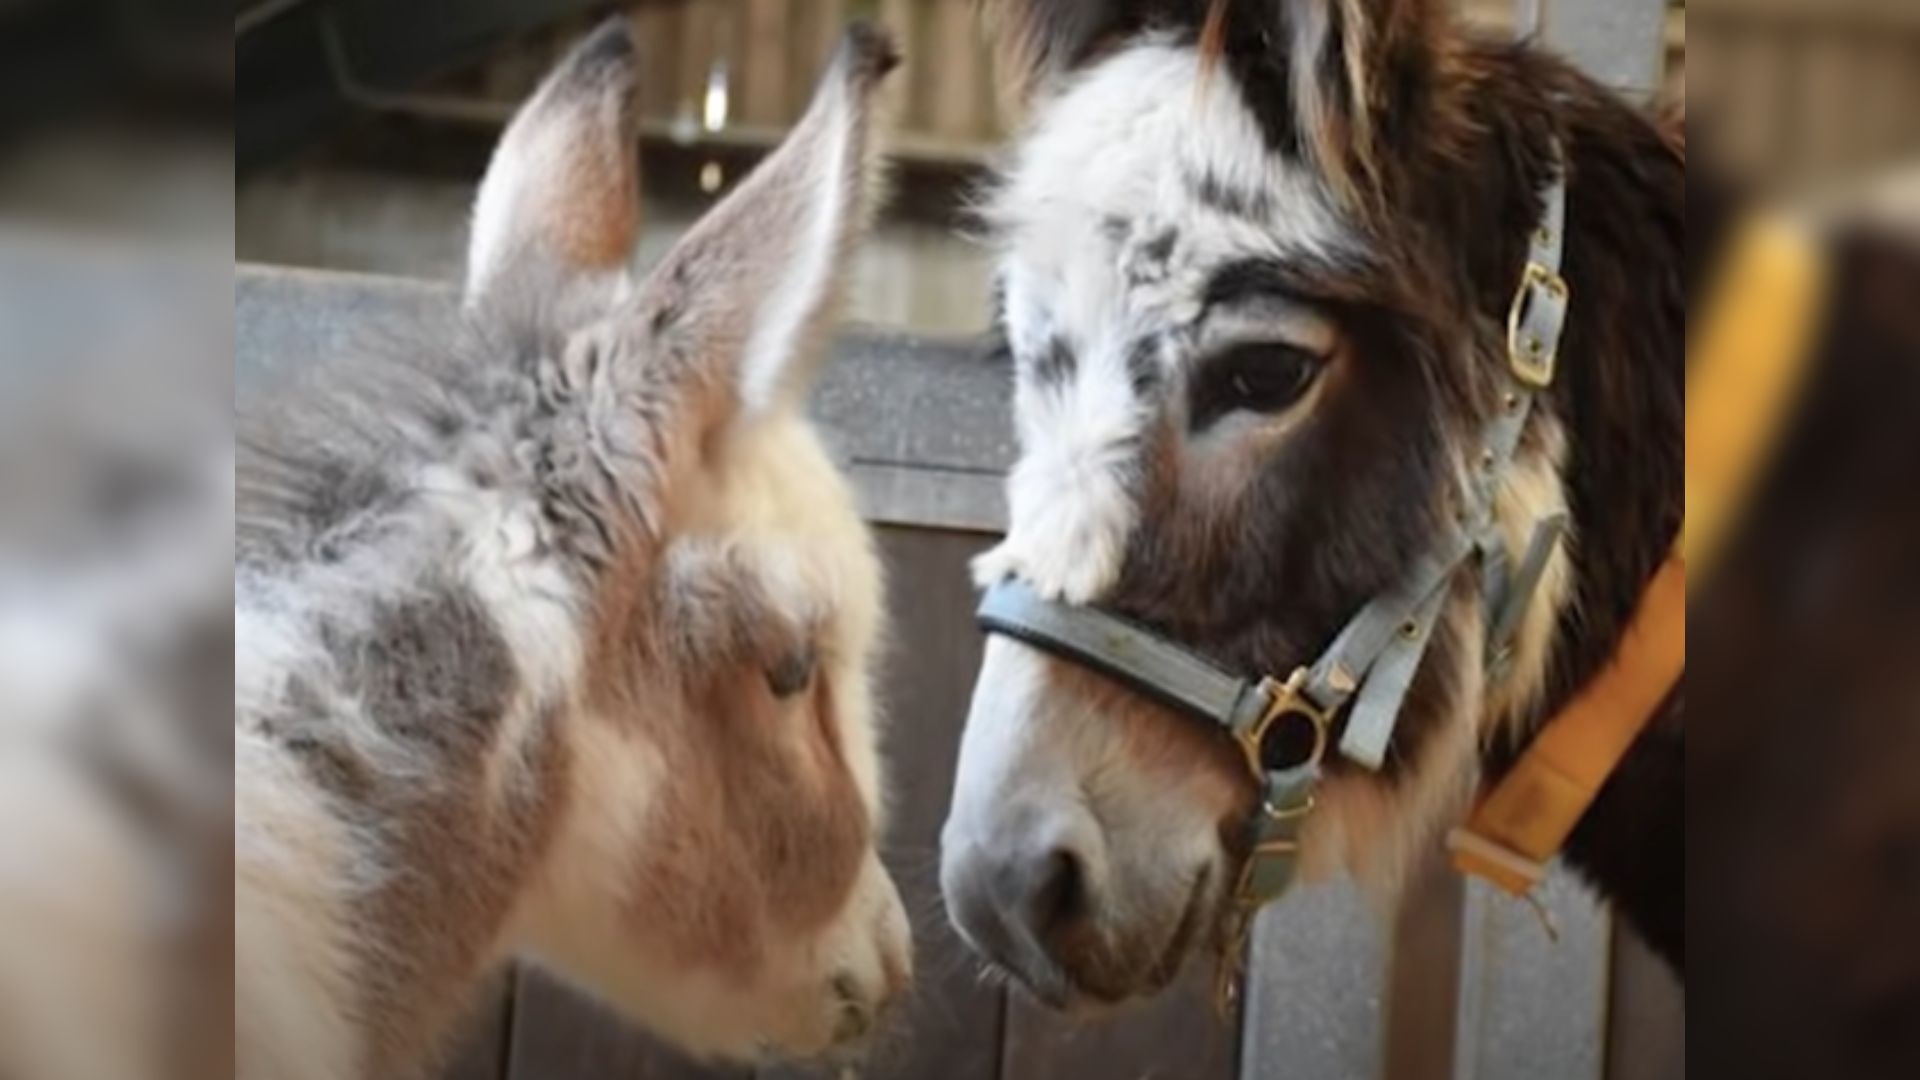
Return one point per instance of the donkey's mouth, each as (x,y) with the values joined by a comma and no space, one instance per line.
(1051,986)
(1180,943)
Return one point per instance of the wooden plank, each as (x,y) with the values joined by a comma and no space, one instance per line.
(559,1034)
(955,103)
(899,96)
(657,29)
(1646,1015)
(1175,1036)
(817,25)
(1826,114)
(760,77)
(483,1048)
(1423,975)
(1747,67)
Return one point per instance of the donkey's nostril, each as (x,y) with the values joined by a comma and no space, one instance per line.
(1054,892)
(1024,889)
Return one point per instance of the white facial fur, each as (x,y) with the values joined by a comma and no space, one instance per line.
(1122,145)
(1111,221)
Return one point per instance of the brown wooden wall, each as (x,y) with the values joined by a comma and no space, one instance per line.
(1799,91)
(951,105)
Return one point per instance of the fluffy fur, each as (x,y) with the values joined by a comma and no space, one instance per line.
(554,626)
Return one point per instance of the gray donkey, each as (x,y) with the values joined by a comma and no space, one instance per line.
(555,628)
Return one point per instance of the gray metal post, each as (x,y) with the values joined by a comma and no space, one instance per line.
(1530,1006)
(1620,42)
(1314,987)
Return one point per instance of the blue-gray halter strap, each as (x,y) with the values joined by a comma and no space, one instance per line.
(1371,662)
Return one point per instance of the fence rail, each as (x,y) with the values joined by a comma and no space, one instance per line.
(766,54)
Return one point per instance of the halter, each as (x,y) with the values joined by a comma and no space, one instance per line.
(1371,662)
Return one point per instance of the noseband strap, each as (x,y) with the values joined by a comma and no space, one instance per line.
(1167,672)
(1370,664)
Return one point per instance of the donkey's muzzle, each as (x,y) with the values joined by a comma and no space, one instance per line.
(1024,892)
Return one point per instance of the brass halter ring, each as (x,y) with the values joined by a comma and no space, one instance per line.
(1284,700)
(1288,699)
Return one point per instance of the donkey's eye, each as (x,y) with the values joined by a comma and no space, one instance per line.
(1265,377)
(792,673)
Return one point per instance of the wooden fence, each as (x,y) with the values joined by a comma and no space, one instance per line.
(1804,92)
(765,54)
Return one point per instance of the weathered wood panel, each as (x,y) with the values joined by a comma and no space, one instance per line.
(657,28)
(1646,1015)
(559,1034)
(1423,975)
(762,56)
(1808,91)
(1176,1036)
(483,1047)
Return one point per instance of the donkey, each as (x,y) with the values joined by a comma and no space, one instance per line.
(556,627)
(1256,262)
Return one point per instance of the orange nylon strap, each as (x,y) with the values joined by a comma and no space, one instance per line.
(1527,816)
(1751,352)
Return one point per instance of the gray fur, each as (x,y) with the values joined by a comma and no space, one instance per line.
(1054,365)
(1247,204)
(430,670)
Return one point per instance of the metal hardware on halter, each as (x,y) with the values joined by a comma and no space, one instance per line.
(1287,699)
(1532,350)
(1539,312)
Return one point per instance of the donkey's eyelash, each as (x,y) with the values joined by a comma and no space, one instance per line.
(1262,377)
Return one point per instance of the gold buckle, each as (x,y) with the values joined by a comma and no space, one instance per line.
(1531,359)
(1285,699)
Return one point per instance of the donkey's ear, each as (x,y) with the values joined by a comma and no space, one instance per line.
(561,198)
(1357,68)
(1035,40)
(748,294)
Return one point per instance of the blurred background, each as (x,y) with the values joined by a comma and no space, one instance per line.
(363,125)
(310,154)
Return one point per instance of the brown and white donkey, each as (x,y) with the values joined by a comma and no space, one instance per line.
(555,626)
(1256,259)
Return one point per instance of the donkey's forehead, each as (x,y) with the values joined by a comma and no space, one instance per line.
(1139,182)
(1143,175)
